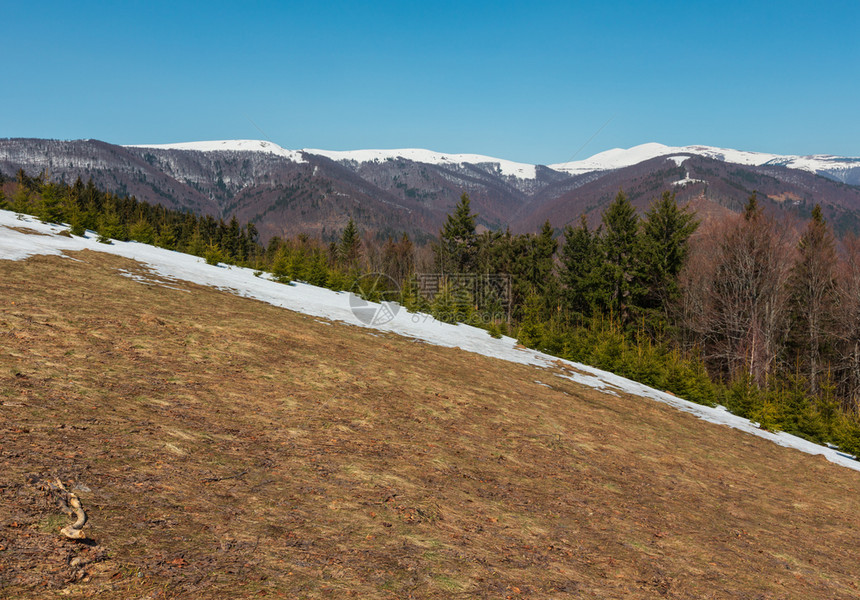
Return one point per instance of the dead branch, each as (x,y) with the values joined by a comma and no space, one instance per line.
(68,502)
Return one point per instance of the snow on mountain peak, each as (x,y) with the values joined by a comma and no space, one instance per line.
(617,158)
(840,168)
(506,167)
(229,146)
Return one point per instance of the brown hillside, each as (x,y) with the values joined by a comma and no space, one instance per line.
(225,448)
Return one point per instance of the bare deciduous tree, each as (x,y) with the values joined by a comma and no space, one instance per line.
(735,294)
(848,362)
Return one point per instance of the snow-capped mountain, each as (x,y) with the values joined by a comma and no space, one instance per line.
(285,192)
(503,167)
(230,146)
(844,169)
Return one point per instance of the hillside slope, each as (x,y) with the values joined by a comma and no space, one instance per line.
(226,447)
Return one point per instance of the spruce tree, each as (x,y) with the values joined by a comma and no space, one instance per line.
(457,249)
(141,231)
(813,298)
(579,259)
(666,234)
(619,275)
(349,249)
(21,200)
(317,271)
(534,269)
(752,210)
(49,207)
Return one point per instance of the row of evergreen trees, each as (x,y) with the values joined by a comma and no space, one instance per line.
(84,207)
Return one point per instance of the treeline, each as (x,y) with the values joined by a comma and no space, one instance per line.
(746,312)
(84,207)
(600,297)
(336,265)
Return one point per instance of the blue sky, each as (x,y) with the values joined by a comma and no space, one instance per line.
(531,82)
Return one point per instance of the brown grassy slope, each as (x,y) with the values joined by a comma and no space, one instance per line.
(234,450)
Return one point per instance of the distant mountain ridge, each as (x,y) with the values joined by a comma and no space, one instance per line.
(285,192)
(844,169)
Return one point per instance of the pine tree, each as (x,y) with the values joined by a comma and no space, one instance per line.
(141,231)
(457,249)
(619,275)
(752,210)
(349,250)
(49,207)
(813,297)
(666,234)
(21,200)
(534,269)
(579,259)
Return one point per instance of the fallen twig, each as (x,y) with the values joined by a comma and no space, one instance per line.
(214,479)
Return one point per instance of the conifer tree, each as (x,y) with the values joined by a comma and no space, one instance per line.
(349,250)
(619,275)
(752,210)
(141,231)
(317,270)
(579,259)
(813,297)
(21,199)
(666,234)
(195,244)
(49,207)
(534,269)
(456,251)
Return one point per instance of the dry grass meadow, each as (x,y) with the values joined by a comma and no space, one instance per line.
(225,448)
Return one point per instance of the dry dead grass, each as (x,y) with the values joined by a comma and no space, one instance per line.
(234,450)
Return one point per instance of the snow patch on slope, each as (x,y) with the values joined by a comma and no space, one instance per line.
(229,146)
(505,167)
(687,180)
(324,303)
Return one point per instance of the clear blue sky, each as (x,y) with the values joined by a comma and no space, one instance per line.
(525,81)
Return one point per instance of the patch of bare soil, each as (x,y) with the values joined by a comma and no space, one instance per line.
(225,448)
(27,230)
